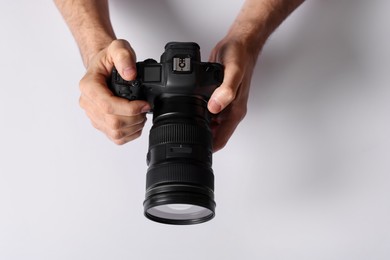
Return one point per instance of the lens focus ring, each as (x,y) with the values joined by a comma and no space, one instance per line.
(179,133)
(180,173)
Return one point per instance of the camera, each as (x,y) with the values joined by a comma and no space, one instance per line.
(179,179)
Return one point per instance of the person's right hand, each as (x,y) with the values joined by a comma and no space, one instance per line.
(120,119)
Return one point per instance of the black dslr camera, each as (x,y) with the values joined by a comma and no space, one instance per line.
(180,180)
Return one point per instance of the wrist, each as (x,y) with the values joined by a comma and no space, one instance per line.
(91,47)
(258,19)
(89,22)
(248,34)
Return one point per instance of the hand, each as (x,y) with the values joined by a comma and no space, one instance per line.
(120,119)
(228,103)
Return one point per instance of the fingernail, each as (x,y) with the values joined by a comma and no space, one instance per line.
(214,106)
(128,73)
(145,109)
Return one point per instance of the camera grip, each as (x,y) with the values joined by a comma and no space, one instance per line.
(213,74)
(130,90)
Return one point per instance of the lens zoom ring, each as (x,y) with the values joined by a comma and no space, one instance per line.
(179,133)
(179,173)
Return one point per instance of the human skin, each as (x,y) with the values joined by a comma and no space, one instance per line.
(122,120)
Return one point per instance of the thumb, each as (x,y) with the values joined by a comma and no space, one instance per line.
(123,57)
(227,92)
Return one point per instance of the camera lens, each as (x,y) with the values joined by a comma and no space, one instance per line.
(179,211)
(180,180)
(179,204)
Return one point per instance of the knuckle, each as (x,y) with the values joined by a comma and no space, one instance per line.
(134,136)
(133,111)
(121,50)
(122,54)
(119,43)
(83,84)
(81,102)
(137,134)
(114,123)
(126,139)
(119,142)
(86,86)
(219,145)
(116,135)
(239,113)
(95,125)
(106,107)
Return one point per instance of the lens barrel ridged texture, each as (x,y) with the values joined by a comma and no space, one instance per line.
(179,133)
(193,170)
(180,173)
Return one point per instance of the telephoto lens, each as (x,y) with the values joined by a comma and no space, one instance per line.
(180,181)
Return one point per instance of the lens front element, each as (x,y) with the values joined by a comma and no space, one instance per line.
(185,212)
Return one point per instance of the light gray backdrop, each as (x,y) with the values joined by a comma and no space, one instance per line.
(305,176)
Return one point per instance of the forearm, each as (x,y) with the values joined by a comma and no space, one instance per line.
(259,18)
(89,22)
(238,52)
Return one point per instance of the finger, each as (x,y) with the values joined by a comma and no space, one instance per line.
(113,122)
(224,124)
(123,122)
(222,131)
(123,57)
(117,135)
(129,138)
(125,135)
(94,88)
(227,92)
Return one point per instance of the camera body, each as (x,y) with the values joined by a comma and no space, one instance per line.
(179,179)
(179,73)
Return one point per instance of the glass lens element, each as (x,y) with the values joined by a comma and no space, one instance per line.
(179,211)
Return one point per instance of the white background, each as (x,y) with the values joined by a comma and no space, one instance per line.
(305,176)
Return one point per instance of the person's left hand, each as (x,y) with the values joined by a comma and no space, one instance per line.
(228,103)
